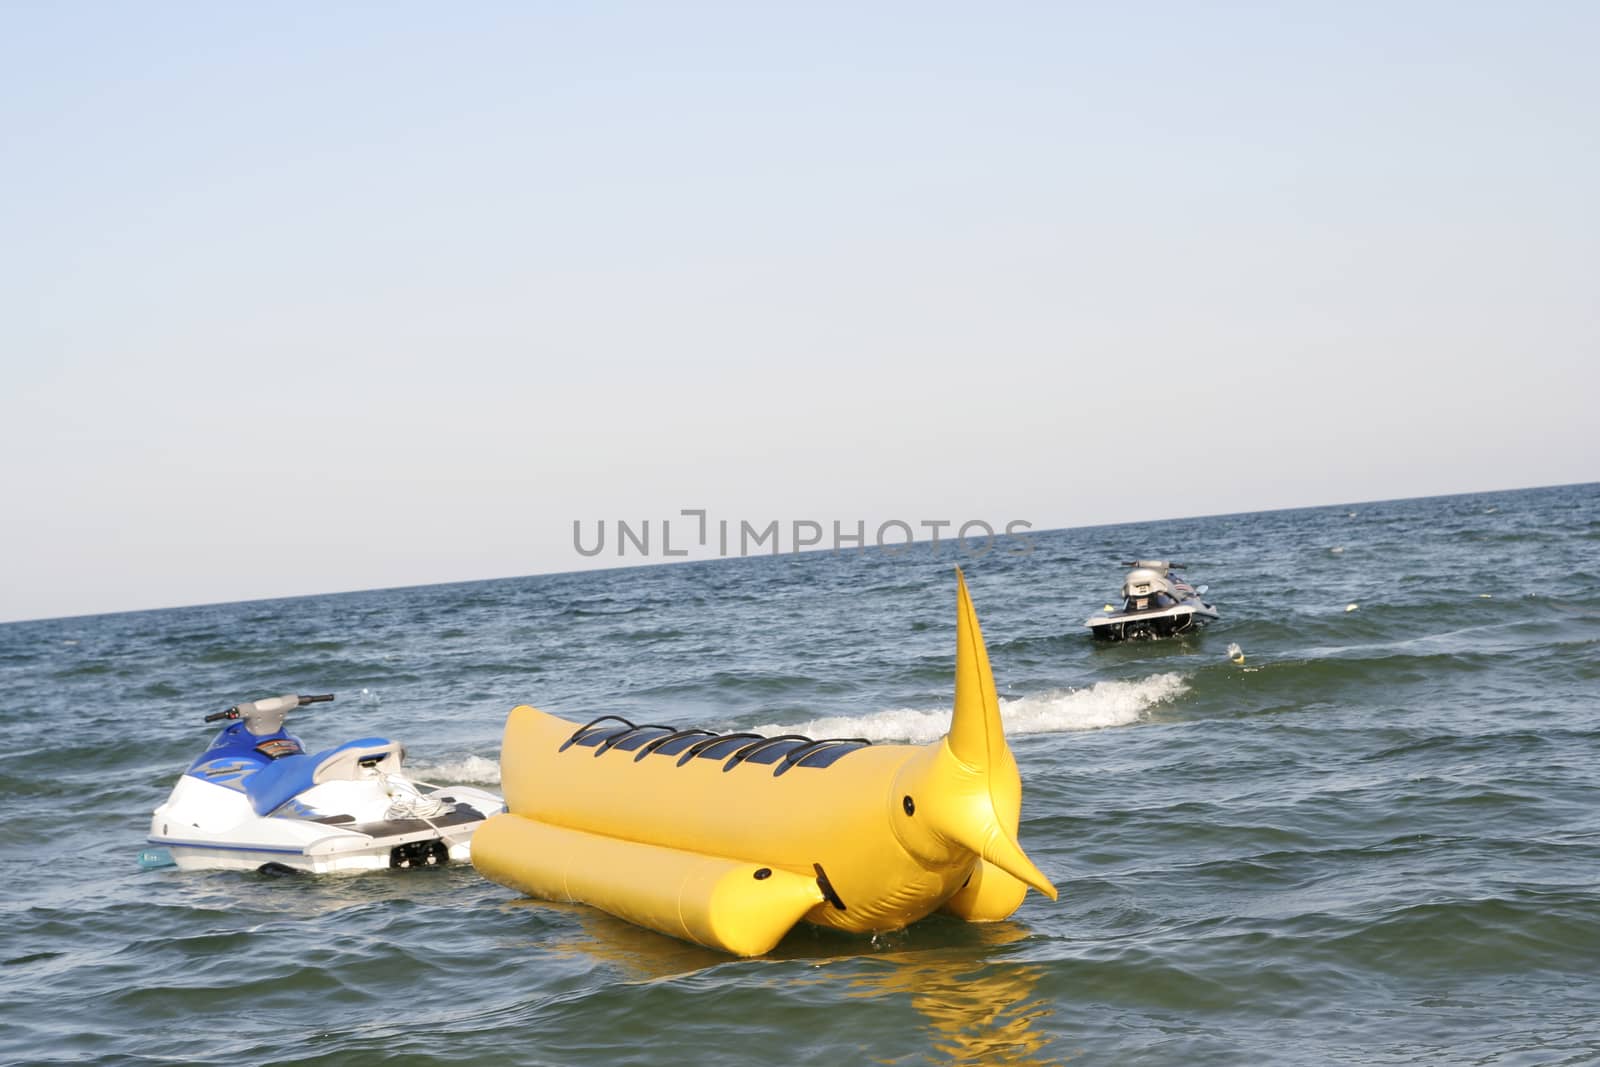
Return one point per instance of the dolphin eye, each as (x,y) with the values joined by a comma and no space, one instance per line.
(909,804)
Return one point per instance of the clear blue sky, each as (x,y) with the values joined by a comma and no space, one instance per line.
(303,298)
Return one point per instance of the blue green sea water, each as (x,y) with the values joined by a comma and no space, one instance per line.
(1375,841)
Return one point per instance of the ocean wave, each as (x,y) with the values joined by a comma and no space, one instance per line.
(1109,703)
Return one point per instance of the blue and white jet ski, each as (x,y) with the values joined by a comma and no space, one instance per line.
(1155,603)
(255,799)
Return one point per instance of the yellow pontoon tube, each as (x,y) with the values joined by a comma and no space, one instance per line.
(729,840)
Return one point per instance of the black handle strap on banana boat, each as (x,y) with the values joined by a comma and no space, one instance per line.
(233,712)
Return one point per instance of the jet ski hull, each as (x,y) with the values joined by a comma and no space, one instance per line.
(1134,625)
(206,826)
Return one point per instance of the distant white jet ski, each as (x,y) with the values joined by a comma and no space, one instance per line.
(1155,603)
(256,799)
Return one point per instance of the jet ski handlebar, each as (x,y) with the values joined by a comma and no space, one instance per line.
(1154,564)
(277,706)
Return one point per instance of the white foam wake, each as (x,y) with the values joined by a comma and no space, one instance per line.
(474,770)
(1061,710)
(1103,704)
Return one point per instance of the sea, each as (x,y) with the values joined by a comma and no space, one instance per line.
(1371,835)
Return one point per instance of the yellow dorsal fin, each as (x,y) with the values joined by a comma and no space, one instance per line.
(976,735)
(978,740)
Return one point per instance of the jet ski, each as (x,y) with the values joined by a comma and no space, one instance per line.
(1155,603)
(256,799)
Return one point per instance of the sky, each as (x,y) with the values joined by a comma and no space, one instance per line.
(308,298)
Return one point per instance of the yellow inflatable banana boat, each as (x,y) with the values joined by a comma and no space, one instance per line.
(728,840)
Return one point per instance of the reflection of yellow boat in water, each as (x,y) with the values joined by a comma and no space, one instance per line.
(729,840)
(954,993)
(978,1011)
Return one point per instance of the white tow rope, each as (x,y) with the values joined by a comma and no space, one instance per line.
(406,801)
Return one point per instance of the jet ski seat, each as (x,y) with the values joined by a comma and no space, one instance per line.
(285,778)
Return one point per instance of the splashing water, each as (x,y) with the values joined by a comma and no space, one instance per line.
(1110,703)
(473,770)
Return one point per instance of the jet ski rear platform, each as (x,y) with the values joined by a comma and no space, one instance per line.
(1156,603)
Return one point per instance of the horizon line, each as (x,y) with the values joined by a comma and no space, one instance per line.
(730,559)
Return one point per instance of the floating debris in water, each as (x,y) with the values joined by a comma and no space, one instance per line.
(1108,607)
(1337,550)
(1351,607)
(1236,653)
(1485,596)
